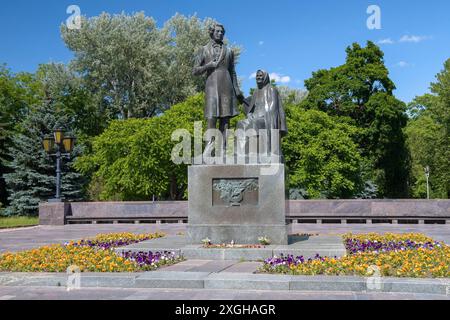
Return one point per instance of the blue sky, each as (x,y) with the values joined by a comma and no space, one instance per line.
(290,38)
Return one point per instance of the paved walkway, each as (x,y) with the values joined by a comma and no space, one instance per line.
(54,293)
(216,266)
(21,239)
(27,238)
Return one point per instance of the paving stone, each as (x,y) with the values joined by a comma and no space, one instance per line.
(55,293)
(294,295)
(179,280)
(249,254)
(28,238)
(424,286)
(202,253)
(184,266)
(168,242)
(230,280)
(112,280)
(247,281)
(33,279)
(196,252)
(213,266)
(243,267)
(327,283)
(215,295)
(118,280)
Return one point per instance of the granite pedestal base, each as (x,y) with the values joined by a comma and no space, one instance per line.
(237,203)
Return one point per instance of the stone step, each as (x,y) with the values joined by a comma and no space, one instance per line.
(200,253)
(243,267)
(200,266)
(245,281)
(110,280)
(308,247)
(179,280)
(233,281)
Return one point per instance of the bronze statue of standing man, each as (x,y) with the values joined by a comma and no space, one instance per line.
(222,90)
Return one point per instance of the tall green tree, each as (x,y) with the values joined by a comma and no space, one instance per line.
(131,159)
(18,92)
(441,110)
(52,97)
(71,97)
(362,91)
(428,138)
(292,96)
(137,69)
(321,156)
(32,172)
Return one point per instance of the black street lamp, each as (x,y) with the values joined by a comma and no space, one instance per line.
(64,146)
(427,175)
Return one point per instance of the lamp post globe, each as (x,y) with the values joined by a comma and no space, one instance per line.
(69,144)
(59,135)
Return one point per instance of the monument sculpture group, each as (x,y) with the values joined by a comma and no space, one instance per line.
(242,201)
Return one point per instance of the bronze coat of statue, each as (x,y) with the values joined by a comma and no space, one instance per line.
(222,91)
(265,110)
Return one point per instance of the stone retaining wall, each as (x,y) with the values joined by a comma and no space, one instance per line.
(298,211)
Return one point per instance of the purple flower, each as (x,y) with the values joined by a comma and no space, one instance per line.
(354,246)
(149,259)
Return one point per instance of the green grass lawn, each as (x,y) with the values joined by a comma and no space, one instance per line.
(14,222)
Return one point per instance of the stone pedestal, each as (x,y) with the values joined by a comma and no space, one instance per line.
(237,202)
(53,213)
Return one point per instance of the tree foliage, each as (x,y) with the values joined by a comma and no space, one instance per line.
(52,97)
(32,172)
(131,160)
(321,156)
(361,90)
(428,138)
(135,68)
(18,92)
(130,85)
(292,95)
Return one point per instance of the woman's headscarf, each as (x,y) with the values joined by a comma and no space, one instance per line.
(266,77)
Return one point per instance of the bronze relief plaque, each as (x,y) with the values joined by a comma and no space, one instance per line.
(235,192)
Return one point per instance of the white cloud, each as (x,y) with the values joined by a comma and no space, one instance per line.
(412,38)
(274,76)
(386,41)
(280,78)
(261,43)
(402,64)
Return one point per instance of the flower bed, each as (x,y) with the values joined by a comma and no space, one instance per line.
(411,255)
(90,255)
(151,261)
(386,243)
(114,240)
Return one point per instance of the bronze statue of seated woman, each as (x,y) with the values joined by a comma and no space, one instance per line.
(265,115)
